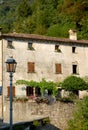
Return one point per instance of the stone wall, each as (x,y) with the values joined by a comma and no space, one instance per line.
(58,112)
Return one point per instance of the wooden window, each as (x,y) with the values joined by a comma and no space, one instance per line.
(13,91)
(73,49)
(58,68)
(31,67)
(10,45)
(30,46)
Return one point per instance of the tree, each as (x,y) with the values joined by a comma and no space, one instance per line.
(80,117)
(45,17)
(73,83)
(24,9)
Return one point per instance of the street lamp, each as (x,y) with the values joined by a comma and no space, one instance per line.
(11,67)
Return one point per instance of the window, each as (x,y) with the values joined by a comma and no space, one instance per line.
(58,68)
(37,91)
(57,48)
(31,67)
(13,91)
(10,45)
(29,91)
(30,46)
(73,49)
(74,69)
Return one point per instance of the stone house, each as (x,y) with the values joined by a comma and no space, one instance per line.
(40,57)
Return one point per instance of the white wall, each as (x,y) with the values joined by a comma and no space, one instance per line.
(45,58)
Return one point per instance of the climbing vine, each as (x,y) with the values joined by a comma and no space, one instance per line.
(43,84)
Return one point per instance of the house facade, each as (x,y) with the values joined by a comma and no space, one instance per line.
(41,57)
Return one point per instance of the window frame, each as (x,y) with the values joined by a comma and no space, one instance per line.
(13,91)
(58,68)
(74,69)
(10,44)
(29,91)
(57,48)
(31,67)
(30,46)
(73,49)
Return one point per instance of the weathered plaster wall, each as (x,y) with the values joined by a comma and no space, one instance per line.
(44,57)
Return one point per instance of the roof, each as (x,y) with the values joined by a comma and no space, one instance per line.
(42,38)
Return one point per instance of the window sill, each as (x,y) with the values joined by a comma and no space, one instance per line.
(58,52)
(31,49)
(58,73)
(31,72)
(10,47)
(75,73)
(74,52)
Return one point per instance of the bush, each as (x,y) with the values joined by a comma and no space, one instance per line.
(80,117)
(73,83)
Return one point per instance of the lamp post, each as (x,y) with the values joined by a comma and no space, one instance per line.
(11,67)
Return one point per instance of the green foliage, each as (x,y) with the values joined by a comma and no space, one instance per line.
(61,28)
(49,85)
(34,83)
(80,118)
(24,9)
(73,83)
(19,82)
(36,123)
(45,17)
(46,121)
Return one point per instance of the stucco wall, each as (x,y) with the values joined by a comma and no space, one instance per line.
(45,58)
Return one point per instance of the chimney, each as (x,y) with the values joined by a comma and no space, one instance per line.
(72,34)
(14,31)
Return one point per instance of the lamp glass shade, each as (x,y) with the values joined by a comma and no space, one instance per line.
(11,65)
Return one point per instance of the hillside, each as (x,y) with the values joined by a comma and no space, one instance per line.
(45,17)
